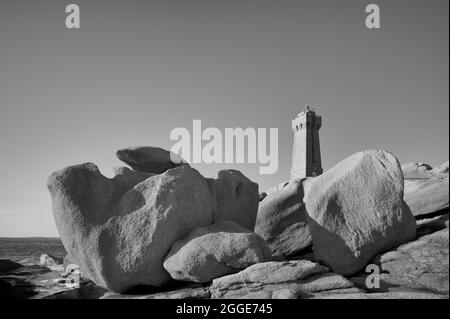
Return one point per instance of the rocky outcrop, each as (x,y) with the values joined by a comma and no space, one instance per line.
(416,170)
(426,188)
(281,220)
(356,210)
(182,293)
(421,264)
(427,196)
(120,230)
(234,197)
(415,269)
(52,262)
(213,251)
(288,279)
(441,169)
(419,170)
(148,159)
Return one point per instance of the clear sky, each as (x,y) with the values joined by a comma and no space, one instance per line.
(137,69)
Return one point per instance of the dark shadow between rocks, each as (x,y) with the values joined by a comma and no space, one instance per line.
(170,286)
(16,288)
(86,291)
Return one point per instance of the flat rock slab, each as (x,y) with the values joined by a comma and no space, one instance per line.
(288,279)
(385,295)
(296,289)
(420,265)
(426,196)
(184,293)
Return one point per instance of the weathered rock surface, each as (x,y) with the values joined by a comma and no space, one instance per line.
(410,271)
(52,262)
(213,251)
(119,230)
(272,272)
(421,264)
(281,220)
(419,170)
(277,187)
(426,188)
(149,159)
(235,198)
(385,295)
(427,195)
(416,170)
(18,281)
(418,269)
(286,279)
(356,210)
(192,292)
(441,169)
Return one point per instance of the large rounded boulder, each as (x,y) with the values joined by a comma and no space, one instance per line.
(120,230)
(281,220)
(213,251)
(356,210)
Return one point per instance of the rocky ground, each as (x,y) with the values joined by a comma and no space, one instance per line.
(418,269)
(365,229)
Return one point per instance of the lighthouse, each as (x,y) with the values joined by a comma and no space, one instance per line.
(306,160)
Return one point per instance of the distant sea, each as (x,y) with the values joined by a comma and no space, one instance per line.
(28,250)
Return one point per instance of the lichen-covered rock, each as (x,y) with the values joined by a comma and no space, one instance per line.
(213,251)
(281,220)
(356,210)
(120,230)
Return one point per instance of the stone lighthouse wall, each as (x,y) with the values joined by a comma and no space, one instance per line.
(306,158)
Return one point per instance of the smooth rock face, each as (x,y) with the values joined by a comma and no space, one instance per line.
(281,220)
(149,159)
(356,210)
(119,230)
(235,198)
(214,251)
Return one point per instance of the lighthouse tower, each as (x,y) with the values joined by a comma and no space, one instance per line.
(306,160)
